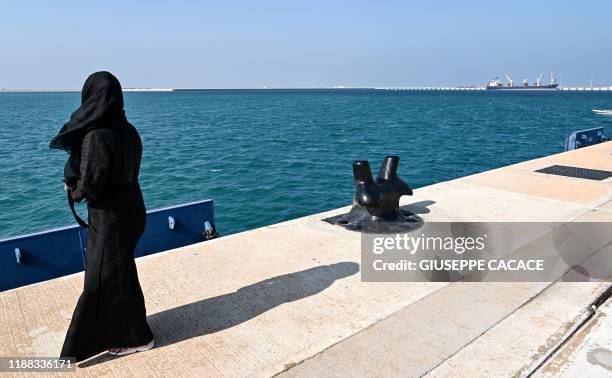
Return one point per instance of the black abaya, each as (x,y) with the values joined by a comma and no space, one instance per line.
(110,312)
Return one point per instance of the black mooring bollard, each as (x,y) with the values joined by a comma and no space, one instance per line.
(376,202)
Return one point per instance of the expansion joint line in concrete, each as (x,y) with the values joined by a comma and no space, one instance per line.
(287,368)
(487,330)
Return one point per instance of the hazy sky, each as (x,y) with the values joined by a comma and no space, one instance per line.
(239,44)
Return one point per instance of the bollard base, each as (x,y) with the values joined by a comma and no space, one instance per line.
(360,220)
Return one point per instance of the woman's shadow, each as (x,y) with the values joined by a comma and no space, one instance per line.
(215,314)
(224,311)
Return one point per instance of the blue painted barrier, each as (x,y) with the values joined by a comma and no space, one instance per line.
(584,138)
(58,252)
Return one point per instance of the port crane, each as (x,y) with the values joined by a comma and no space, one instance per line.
(509,80)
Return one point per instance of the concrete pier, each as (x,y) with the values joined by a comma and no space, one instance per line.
(287,299)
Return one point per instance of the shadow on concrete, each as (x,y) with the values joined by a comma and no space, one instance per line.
(225,311)
(421,207)
(97,360)
(218,313)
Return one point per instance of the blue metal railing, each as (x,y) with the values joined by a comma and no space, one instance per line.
(584,138)
(58,252)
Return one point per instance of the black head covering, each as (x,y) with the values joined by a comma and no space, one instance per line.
(101,106)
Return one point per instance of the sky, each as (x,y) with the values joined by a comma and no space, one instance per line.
(302,44)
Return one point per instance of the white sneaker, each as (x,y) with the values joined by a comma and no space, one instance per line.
(126,351)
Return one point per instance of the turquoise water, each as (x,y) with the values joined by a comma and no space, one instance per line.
(270,156)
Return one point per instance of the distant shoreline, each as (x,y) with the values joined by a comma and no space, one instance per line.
(7,90)
(312,89)
(4,90)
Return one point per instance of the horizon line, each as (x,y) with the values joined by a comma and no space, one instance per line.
(338,87)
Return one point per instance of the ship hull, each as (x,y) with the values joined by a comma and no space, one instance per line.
(525,88)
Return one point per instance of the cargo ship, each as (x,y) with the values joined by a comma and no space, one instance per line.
(496,84)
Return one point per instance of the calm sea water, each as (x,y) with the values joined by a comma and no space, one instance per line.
(270,156)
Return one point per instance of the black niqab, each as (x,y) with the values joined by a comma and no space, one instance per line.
(101,106)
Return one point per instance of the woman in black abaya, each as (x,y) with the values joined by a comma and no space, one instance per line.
(105,152)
